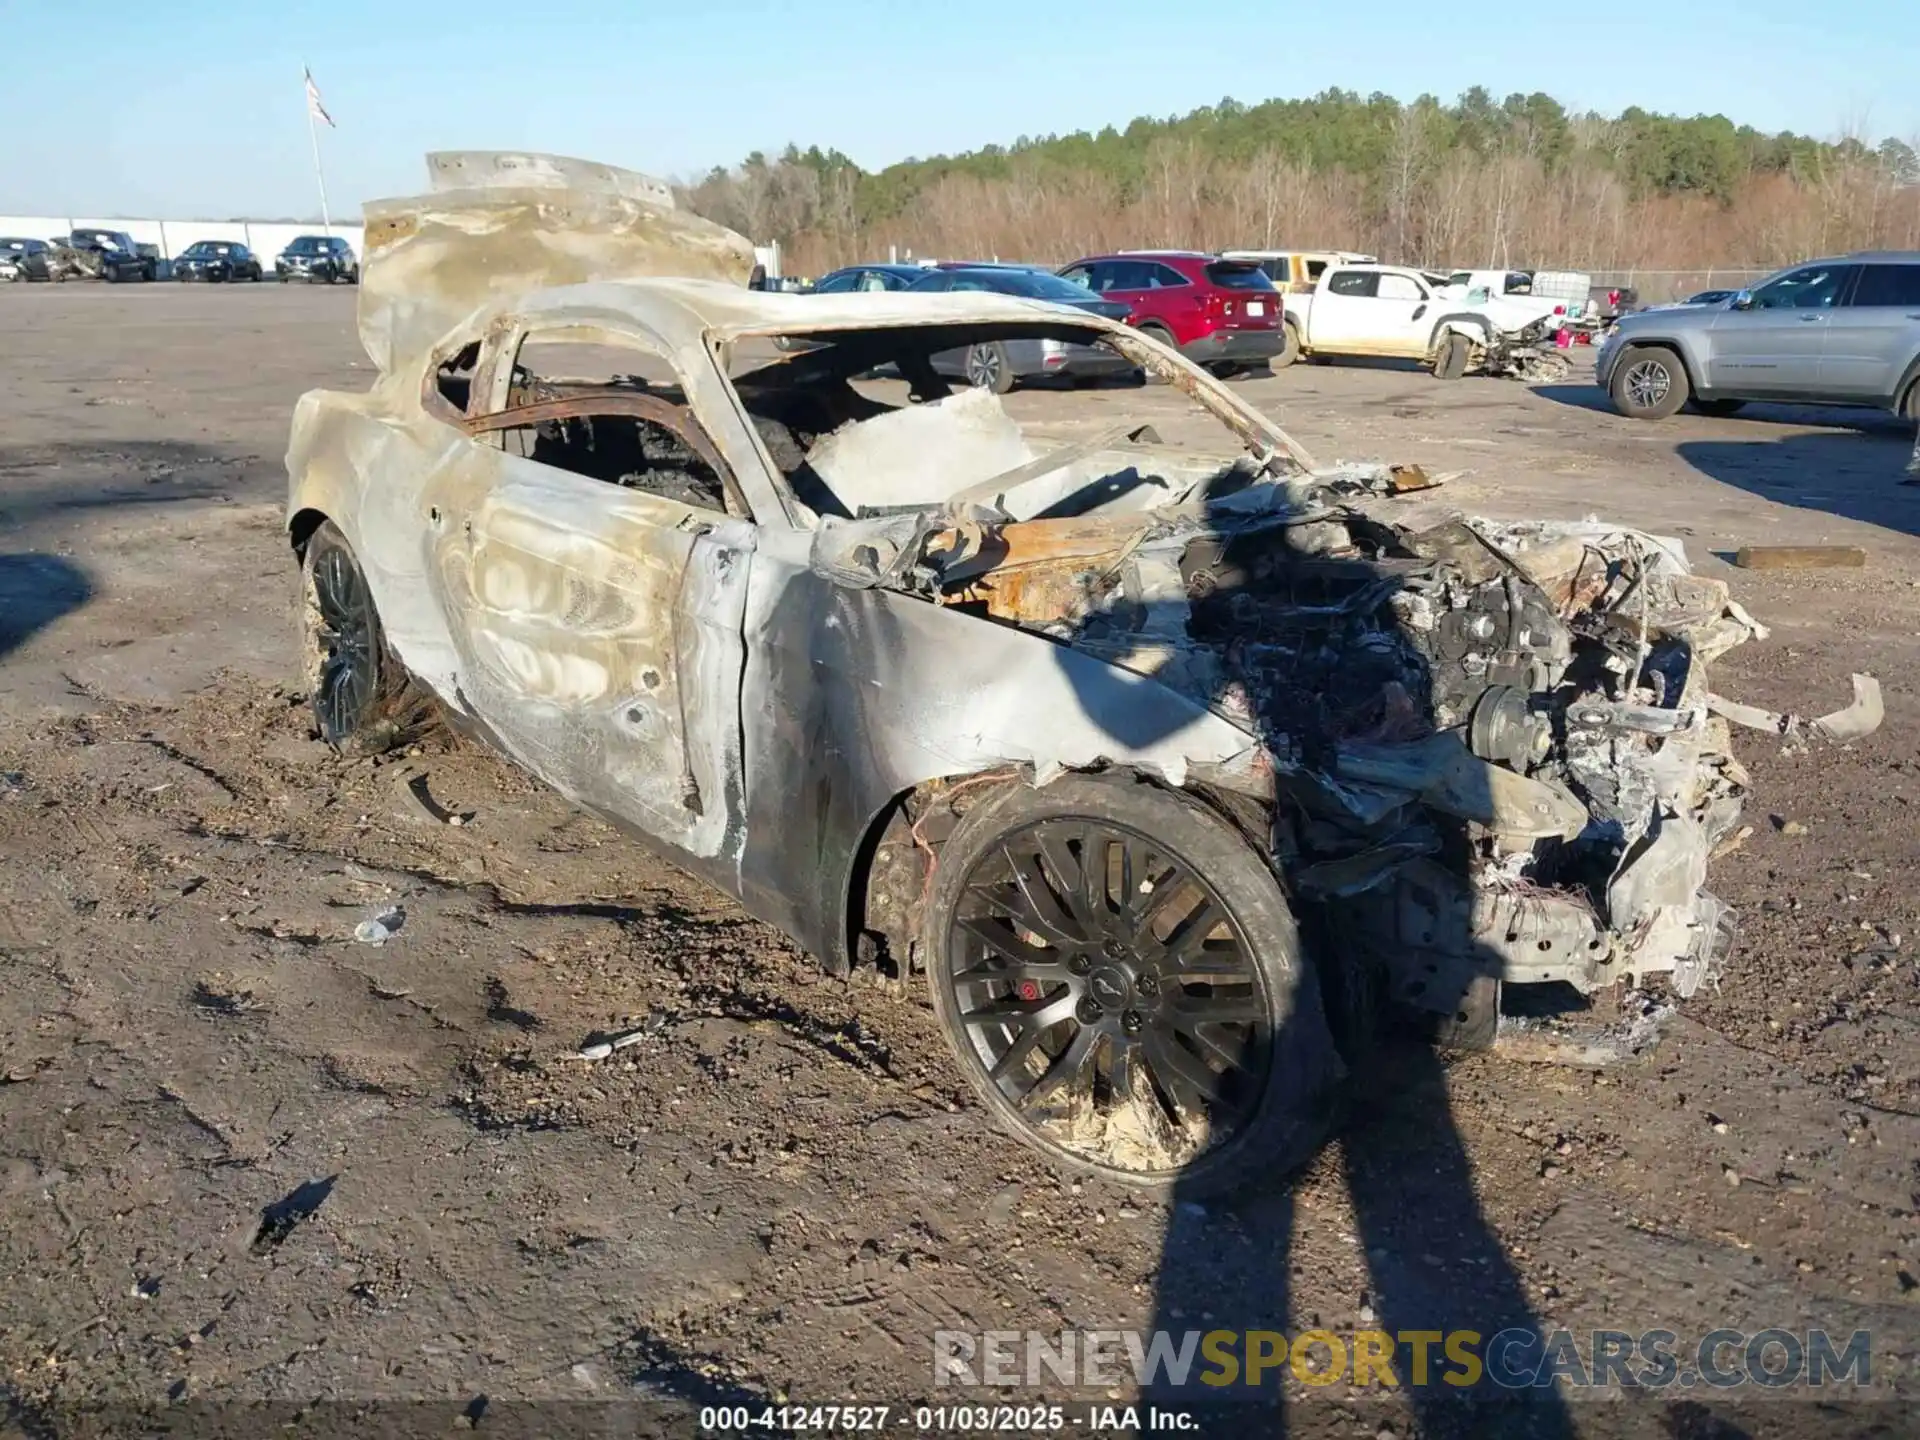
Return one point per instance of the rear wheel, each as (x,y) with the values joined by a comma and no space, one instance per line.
(1121,981)
(1451,362)
(1649,384)
(988,368)
(364,702)
(1289,346)
(1155,331)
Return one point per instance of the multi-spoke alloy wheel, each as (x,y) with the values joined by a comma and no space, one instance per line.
(1119,974)
(1648,382)
(989,369)
(349,676)
(362,699)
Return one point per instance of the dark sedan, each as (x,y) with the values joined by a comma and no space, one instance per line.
(866,277)
(25,259)
(316,258)
(999,365)
(216,260)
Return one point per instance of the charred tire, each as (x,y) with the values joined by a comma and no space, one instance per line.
(364,701)
(1717,409)
(1475,1019)
(1289,346)
(1165,1031)
(1451,362)
(988,368)
(1649,383)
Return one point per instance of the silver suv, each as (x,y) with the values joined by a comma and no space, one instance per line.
(1844,331)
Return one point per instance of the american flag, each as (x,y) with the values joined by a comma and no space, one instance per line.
(314,107)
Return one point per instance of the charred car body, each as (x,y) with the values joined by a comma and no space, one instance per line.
(23,259)
(1161,765)
(110,256)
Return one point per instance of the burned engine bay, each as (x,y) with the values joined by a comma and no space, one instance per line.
(1491,749)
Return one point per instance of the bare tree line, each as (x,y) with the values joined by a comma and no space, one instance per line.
(1459,208)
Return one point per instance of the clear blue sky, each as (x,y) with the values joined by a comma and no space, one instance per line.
(195,110)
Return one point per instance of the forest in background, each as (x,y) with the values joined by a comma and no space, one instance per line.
(1516,182)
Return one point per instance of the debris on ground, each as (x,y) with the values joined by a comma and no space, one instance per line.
(1583,1042)
(1858,720)
(601,1049)
(1799,557)
(380,928)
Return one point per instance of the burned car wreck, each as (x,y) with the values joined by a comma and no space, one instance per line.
(1164,765)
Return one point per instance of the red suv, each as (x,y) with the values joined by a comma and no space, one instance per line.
(1224,314)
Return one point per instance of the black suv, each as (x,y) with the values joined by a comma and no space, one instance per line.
(113,255)
(317,257)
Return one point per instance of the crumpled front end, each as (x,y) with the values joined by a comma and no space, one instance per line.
(1528,354)
(1495,746)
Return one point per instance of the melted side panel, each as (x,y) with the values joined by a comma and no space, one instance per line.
(598,636)
(853,696)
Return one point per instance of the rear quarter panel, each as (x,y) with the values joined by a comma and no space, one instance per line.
(366,463)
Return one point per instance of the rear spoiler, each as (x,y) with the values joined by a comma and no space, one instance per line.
(499,223)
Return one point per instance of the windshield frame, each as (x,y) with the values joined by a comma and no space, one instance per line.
(1261,438)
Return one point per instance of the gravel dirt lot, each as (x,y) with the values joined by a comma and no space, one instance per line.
(246,1159)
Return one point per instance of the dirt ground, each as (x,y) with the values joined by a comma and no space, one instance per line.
(244,1158)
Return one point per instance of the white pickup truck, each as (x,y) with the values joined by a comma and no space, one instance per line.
(1389,310)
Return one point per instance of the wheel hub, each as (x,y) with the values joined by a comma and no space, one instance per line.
(1648,383)
(1109,986)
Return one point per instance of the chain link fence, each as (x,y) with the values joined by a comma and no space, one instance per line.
(1657,287)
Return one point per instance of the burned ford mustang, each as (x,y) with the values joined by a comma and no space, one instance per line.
(1164,765)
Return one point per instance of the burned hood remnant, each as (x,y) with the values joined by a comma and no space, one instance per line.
(497,224)
(1161,758)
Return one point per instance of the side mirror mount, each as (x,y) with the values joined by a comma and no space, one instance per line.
(1742,300)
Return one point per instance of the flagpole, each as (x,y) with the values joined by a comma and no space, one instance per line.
(313,134)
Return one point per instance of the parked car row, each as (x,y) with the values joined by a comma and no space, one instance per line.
(114,256)
(1253,309)
(1222,313)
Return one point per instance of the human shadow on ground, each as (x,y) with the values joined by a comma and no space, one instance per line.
(1302,621)
(1304,635)
(35,591)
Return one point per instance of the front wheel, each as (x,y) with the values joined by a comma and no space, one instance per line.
(1451,362)
(364,702)
(1120,978)
(989,369)
(1649,384)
